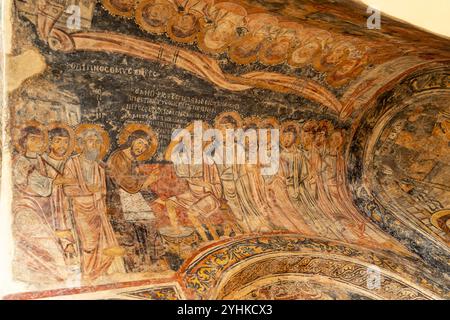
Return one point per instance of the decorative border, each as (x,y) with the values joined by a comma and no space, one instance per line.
(204,274)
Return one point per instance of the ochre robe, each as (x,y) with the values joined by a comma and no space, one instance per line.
(199,200)
(123,170)
(88,207)
(38,254)
(243,195)
(282,212)
(126,188)
(295,166)
(58,202)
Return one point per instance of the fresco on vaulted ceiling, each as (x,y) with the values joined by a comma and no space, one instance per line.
(362,184)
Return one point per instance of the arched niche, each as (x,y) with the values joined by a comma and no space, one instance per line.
(398,163)
(243,268)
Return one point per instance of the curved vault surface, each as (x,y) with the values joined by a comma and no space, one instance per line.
(363,186)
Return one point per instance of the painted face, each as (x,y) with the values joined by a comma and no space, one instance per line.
(304,54)
(337,55)
(320,138)
(156,15)
(226,125)
(220,35)
(139,146)
(307,139)
(59,145)
(288,139)
(186,25)
(92,145)
(34,143)
(336,141)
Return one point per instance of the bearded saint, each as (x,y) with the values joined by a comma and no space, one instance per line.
(100,252)
(123,168)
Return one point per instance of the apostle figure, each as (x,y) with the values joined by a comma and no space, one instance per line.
(283,213)
(204,191)
(253,170)
(61,145)
(132,216)
(237,184)
(328,216)
(137,143)
(38,255)
(100,252)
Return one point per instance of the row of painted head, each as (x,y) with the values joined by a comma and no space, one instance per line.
(60,140)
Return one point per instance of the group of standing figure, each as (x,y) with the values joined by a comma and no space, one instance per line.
(64,194)
(303,196)
(60,221)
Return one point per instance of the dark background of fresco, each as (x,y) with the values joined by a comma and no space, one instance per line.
(115,88)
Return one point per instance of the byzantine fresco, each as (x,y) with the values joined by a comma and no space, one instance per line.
(405,150)
(86,212)
(99,199)
(419,166)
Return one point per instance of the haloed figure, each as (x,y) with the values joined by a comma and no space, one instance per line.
(133,218)
(87,192)
(238,188)
(283,212)
(123,168)
(60,148)
(38,252)
(202,199)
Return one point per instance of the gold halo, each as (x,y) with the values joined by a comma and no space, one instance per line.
(30,123)
(111,8)
(71,146)
(190,126)
(106,142)
(270,121)
(328,125)
(129,128)
(296,125)
(173,143)
(189,37)
(439,219)
(310,125)
(236,116)
(144,24)
(252,120)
